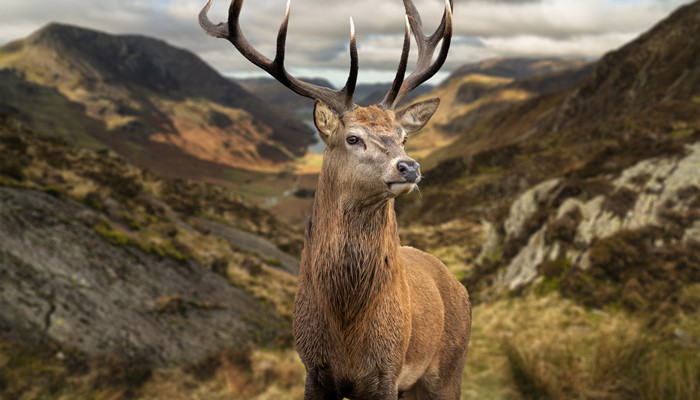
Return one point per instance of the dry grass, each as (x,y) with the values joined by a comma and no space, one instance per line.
(551,348)
(570,365)
(521,348)
(254,374)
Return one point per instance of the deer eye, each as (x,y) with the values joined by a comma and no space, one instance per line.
(353,140)
(405,139)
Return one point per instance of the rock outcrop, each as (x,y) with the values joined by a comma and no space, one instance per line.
(659,194)
(60,279)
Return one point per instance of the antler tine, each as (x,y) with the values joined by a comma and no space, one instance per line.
(219,30)
(339,100)
(425,68)
(390,97)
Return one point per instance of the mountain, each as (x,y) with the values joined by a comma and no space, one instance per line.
(592,190)
(157,105)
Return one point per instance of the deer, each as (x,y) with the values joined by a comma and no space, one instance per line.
(372,319)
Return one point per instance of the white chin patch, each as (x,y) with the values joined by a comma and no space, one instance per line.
(401,188)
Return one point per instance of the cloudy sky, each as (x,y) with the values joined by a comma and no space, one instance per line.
(319,29)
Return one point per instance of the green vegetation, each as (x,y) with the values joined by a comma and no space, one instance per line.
(12,170)
(114,236)
(176,304)
(550,348)
(51,111)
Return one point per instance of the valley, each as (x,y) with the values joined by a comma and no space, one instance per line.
(152,217)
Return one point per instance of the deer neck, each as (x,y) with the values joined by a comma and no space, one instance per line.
(350,252)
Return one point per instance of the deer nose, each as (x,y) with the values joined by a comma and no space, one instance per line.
(408,170)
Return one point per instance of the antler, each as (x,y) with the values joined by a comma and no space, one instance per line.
(424,70)
(339,100)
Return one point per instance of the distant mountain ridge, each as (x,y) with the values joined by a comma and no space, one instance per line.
(517,67)
(276,94)
(273,92)
(150,101)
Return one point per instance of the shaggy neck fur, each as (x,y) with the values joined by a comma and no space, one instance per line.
(351,252)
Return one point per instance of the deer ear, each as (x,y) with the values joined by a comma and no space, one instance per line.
(415,116)
(326,120)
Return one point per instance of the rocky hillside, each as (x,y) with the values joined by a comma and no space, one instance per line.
(104,258)
(592,190)
(157,105)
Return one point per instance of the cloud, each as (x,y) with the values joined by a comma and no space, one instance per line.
(319,29)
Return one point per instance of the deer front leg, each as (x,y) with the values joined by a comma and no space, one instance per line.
(381,387)
(319,385)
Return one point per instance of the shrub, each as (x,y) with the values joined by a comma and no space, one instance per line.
(54,191)
(13,171)
(620,201)
(114,372)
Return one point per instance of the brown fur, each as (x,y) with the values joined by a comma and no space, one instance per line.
(373,319)
(375,117)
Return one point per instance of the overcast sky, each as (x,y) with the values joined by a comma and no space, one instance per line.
(318,31)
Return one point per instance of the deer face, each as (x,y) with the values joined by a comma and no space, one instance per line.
(365,156)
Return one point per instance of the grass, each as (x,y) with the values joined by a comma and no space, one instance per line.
(567,365)
(254,374)
(534,347)
(550,348)
(110,234)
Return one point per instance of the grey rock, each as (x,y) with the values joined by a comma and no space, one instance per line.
(248,241)
(523,268)
(658,183)
(59,278)
(526,205)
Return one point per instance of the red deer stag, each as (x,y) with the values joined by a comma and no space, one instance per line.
(372,319)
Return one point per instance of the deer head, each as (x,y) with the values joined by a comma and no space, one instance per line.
(365,154)
(364,145)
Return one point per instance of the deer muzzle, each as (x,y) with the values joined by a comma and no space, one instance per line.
(409,170)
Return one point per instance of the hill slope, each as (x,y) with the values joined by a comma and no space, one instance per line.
(600,170)
(105,258)
(475,92)
(158,105)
